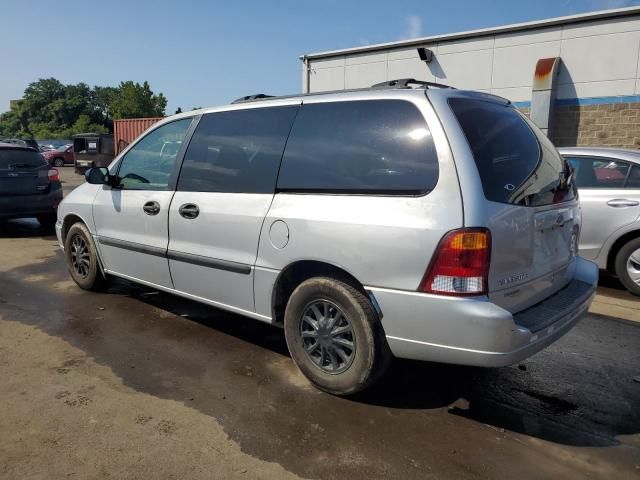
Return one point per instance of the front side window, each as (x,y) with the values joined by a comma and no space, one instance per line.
(151,163)
(360,147)
(599,172)
(516,162)
(237,151)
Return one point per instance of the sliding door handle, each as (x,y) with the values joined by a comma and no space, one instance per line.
(189,211)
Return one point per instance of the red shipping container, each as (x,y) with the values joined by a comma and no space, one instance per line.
(126,130)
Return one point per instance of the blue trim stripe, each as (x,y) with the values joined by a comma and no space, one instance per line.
(566,102)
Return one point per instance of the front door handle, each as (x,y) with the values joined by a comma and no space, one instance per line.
(189,210)
(622,202)
(151,208)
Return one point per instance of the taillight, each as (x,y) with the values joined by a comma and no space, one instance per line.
(460,265)
(54,175)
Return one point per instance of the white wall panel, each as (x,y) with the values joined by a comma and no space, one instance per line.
(525,38)
(515,94)
(471,70)
(409,52)
(597,89)
(598,58)
(514,66)
(365,74)
(409,68)
(601,27)
(465,45)
(366,58)
(323,79)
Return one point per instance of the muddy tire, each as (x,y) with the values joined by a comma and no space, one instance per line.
(335,337)
(627,265)
(82,258)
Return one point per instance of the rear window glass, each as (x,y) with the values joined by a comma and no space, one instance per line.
(11,158)
(374,146)
(517,163)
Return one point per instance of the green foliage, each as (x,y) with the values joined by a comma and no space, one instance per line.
(136,101)
(51,109)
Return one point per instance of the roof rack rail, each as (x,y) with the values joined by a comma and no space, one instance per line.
(405,82)
(250,98)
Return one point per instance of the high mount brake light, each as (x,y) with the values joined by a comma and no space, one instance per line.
(460,266)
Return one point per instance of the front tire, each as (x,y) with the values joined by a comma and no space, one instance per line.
(82,258)
(58,162)
(335,337)
(627,265)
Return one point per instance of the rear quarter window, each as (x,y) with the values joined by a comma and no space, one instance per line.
(359,147)
(516,162)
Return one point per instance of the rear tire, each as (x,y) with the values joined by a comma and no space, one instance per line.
(47,222)
(58,162)
(322,318)
(627,265)
(82,258)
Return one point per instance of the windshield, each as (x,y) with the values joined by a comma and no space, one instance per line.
(62,148)
(517,163)
(14,158)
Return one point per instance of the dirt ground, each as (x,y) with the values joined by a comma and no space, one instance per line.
(134,383)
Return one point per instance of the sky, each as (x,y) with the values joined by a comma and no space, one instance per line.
(205,53)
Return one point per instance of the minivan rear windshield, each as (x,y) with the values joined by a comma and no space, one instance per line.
(517,163)
(15,158)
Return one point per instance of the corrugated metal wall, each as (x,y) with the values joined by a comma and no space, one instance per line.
(127,130)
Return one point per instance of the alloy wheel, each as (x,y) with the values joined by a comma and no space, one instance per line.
(327,336)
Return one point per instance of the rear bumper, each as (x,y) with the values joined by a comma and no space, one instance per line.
(474,331)
(22,206)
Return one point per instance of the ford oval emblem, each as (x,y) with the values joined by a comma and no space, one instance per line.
(510,187)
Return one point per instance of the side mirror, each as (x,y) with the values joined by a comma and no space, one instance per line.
(97,176)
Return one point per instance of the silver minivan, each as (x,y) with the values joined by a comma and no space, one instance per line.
(403,220)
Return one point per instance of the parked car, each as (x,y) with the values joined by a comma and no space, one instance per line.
(407,219)
(608,180)
(61,156)
(28,142)
(29,186)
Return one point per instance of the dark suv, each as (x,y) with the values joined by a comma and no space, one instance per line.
(29,187)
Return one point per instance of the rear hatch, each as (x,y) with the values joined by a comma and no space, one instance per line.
(22,172)
(532,210)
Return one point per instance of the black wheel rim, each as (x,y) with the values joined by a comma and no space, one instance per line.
(327,336)
(80,259)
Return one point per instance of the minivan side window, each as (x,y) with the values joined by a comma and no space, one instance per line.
(359,147)
(151,162)
(237,151)
(593,172)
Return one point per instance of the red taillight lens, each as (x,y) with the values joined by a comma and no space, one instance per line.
(54,175)
(461,264)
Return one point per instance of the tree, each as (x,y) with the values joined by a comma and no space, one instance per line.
(134,101)
(51,109)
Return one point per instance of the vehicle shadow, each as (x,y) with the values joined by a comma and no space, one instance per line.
(553,396)
(24,228)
